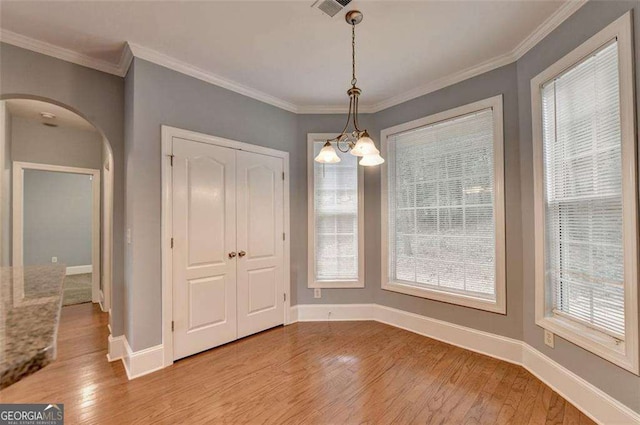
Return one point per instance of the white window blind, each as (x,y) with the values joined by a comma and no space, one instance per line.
(441,206)
(335,194)
(584,267)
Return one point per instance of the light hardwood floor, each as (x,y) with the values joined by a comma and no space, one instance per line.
(316,373)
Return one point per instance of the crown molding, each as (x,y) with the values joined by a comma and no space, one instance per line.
(58,52)
(551,23)
(441,83)
(132,50)
(125,60)
(195,72)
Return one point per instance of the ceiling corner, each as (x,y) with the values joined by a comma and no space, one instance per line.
(58,52)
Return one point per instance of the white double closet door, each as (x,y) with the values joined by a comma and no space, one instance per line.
(228,254)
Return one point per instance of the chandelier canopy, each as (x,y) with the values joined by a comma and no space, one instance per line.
(358,141)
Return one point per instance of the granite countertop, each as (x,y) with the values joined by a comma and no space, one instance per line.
(30,303)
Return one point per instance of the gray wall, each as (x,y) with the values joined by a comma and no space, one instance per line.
(98,97)
(586,22)
(155,96)
(31,141)
(192,104)
(58,215)
(500,81)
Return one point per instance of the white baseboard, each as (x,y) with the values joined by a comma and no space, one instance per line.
(327,312)
(293,315)
(596,404)
(490,344)
(116,349)
(79,270)
(143,362)
(591,400)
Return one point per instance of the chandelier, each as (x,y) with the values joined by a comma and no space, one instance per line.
(357,141)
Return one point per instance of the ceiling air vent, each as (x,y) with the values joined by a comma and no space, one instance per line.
(330,7)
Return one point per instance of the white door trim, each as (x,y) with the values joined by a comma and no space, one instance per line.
(168,134)
(4,140)
(106,268)
(18,209)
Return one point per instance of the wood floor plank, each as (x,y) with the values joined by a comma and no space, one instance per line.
(480,404)
(571,415)
(541,405)
(508,410)
(555,414)
(305,373)
(525,407)
(490,415)
(457,394)
(585,420)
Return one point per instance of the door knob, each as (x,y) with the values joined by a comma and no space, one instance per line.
(242,253)
(232,254)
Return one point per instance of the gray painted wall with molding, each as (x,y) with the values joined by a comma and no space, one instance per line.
(499,81)
(97,96)
(587,21)
(153,95)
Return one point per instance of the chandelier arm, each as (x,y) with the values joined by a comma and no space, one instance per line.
(342,133)
(355,116)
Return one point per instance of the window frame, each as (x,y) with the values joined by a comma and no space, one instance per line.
(311,274)
(499,305)
(624,355)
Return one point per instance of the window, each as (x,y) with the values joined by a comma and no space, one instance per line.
(443,197)
(336,240)
(586,230)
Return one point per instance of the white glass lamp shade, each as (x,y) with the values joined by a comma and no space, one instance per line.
(364,146)
(371,159)
(327,155)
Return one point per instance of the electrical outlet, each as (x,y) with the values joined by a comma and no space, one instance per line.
(317,293)
(549,338)
(54,259)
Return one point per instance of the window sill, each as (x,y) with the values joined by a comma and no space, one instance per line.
(498,306)
(336,284)
(594,341)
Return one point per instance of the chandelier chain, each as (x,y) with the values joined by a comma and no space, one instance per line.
(349,139)
(358,141)
(353,54)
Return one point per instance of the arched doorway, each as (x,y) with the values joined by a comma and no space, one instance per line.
(37,117)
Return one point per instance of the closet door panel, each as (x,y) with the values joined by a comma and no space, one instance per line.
(260,224)
(204,231)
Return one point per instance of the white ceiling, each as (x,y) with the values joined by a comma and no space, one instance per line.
(31,109)
(286,52)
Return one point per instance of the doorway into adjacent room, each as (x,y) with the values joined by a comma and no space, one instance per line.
(56,219)
(56,212)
